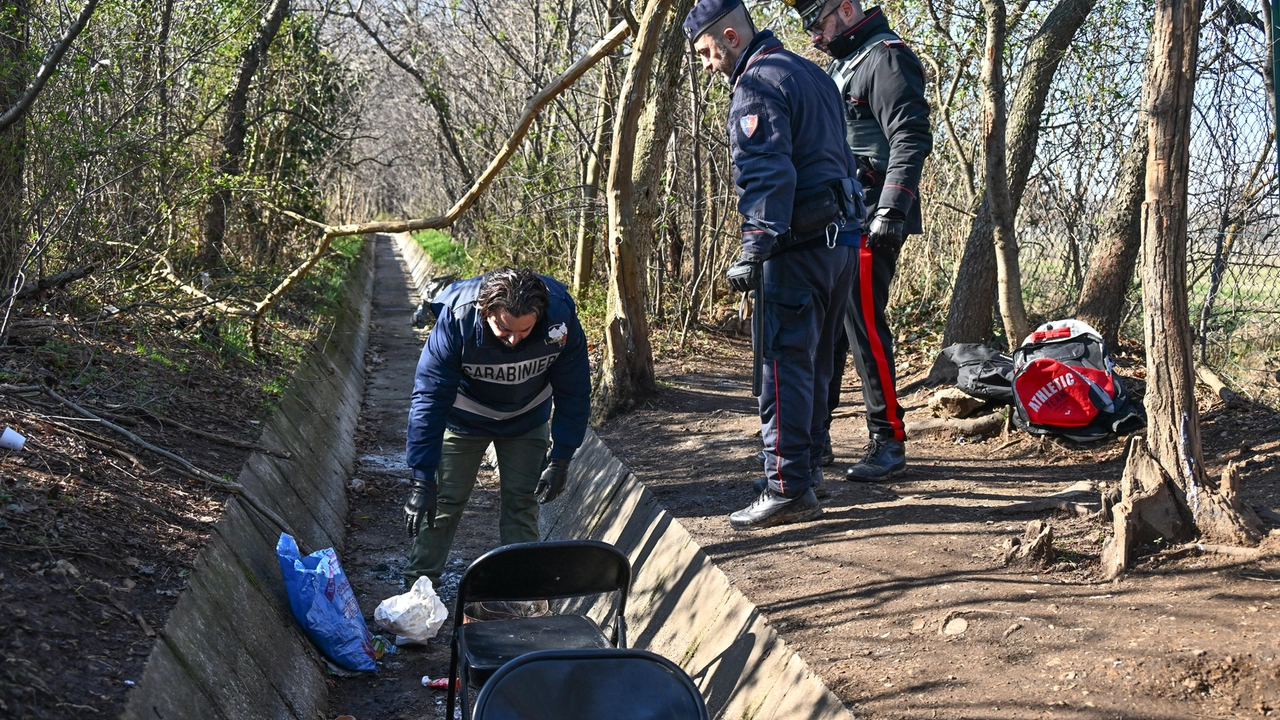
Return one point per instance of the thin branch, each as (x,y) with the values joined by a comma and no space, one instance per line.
(47,68)
(184,467)
(601,49)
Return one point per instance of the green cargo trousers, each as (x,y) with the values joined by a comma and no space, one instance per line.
(520,463)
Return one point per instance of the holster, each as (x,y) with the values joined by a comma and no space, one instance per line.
(813,212)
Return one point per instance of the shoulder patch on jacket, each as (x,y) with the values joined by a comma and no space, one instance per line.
(893,43)
(558,334)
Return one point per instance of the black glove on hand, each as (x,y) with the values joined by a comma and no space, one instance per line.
(745,272)
(421,502)
(553,480)
(886,229)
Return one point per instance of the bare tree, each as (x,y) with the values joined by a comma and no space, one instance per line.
(1115,253)
(234,130)
(969,316)
(626,373)
(1166,489)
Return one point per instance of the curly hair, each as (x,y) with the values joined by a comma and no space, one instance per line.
(518,291)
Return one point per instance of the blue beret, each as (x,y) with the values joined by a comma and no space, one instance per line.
(705,14)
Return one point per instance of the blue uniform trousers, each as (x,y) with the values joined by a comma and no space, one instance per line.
(805,294)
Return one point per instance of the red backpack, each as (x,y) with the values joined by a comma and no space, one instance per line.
(1064,384)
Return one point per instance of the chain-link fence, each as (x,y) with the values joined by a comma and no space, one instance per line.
(1234,252)
(1234,202)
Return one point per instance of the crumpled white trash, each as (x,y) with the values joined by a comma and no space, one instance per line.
(415,616)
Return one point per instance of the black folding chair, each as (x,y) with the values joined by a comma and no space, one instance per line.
(590,685)
(535,571)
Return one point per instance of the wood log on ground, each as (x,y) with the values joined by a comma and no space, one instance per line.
(1058,501)
(1147,510)
(954,403)
(1207,376)
(967,427)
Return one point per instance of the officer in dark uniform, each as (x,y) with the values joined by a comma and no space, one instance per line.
(882,84)
(801,208)
(506,346)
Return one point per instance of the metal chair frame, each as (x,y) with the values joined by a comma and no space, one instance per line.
(537,571)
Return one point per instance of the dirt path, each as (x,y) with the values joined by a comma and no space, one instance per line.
(898,596)
(376,544)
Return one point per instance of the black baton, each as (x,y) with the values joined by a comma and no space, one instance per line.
(757,340)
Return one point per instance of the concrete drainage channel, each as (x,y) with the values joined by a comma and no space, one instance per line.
(231,648)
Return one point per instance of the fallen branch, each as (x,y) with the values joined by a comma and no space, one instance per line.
(1056,501)
(225,440)
(532,108)
(1229,550)
(56,281)
(183,467)
(955,426)
(167,273)
(1076,509)
(1207,376)
(260,309)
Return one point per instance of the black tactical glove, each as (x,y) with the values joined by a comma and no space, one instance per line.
(421,502)
(886,229)
(553,480)
(745,273)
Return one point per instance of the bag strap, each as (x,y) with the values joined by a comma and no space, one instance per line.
(844,72)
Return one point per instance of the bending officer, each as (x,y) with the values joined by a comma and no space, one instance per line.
(506,347)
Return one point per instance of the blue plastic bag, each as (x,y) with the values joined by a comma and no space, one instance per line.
(325,606)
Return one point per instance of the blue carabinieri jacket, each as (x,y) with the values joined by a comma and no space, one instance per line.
(472,383)
(787,135)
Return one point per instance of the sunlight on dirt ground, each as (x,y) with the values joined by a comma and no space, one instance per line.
(898,596)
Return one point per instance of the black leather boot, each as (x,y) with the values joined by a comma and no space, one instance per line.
(773,509)
(884,459)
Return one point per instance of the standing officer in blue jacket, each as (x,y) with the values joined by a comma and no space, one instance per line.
(506,347)
(801,209)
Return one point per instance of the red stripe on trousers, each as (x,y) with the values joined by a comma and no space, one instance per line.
(777,420)
(877,348)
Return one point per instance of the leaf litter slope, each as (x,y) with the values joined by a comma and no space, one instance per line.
(97,536)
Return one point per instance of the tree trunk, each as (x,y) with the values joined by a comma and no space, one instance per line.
(234,131)
(969,317)
(585,250)
(1115,253)
(695,209)
(998,196)
(626,373)
(1173,437)
(13,139)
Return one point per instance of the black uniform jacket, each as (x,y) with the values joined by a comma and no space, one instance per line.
(787,136)
(887,90)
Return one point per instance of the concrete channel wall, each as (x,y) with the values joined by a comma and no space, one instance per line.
(681,606)
(231,649)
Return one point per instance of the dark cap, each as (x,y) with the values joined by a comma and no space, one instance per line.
(809,10)
(705,14)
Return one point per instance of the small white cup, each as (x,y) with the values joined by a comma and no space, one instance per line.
(12,440)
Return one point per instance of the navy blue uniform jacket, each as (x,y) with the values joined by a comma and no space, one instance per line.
(472,383)
(786,131)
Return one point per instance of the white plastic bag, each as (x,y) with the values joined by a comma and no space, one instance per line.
(415,617)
